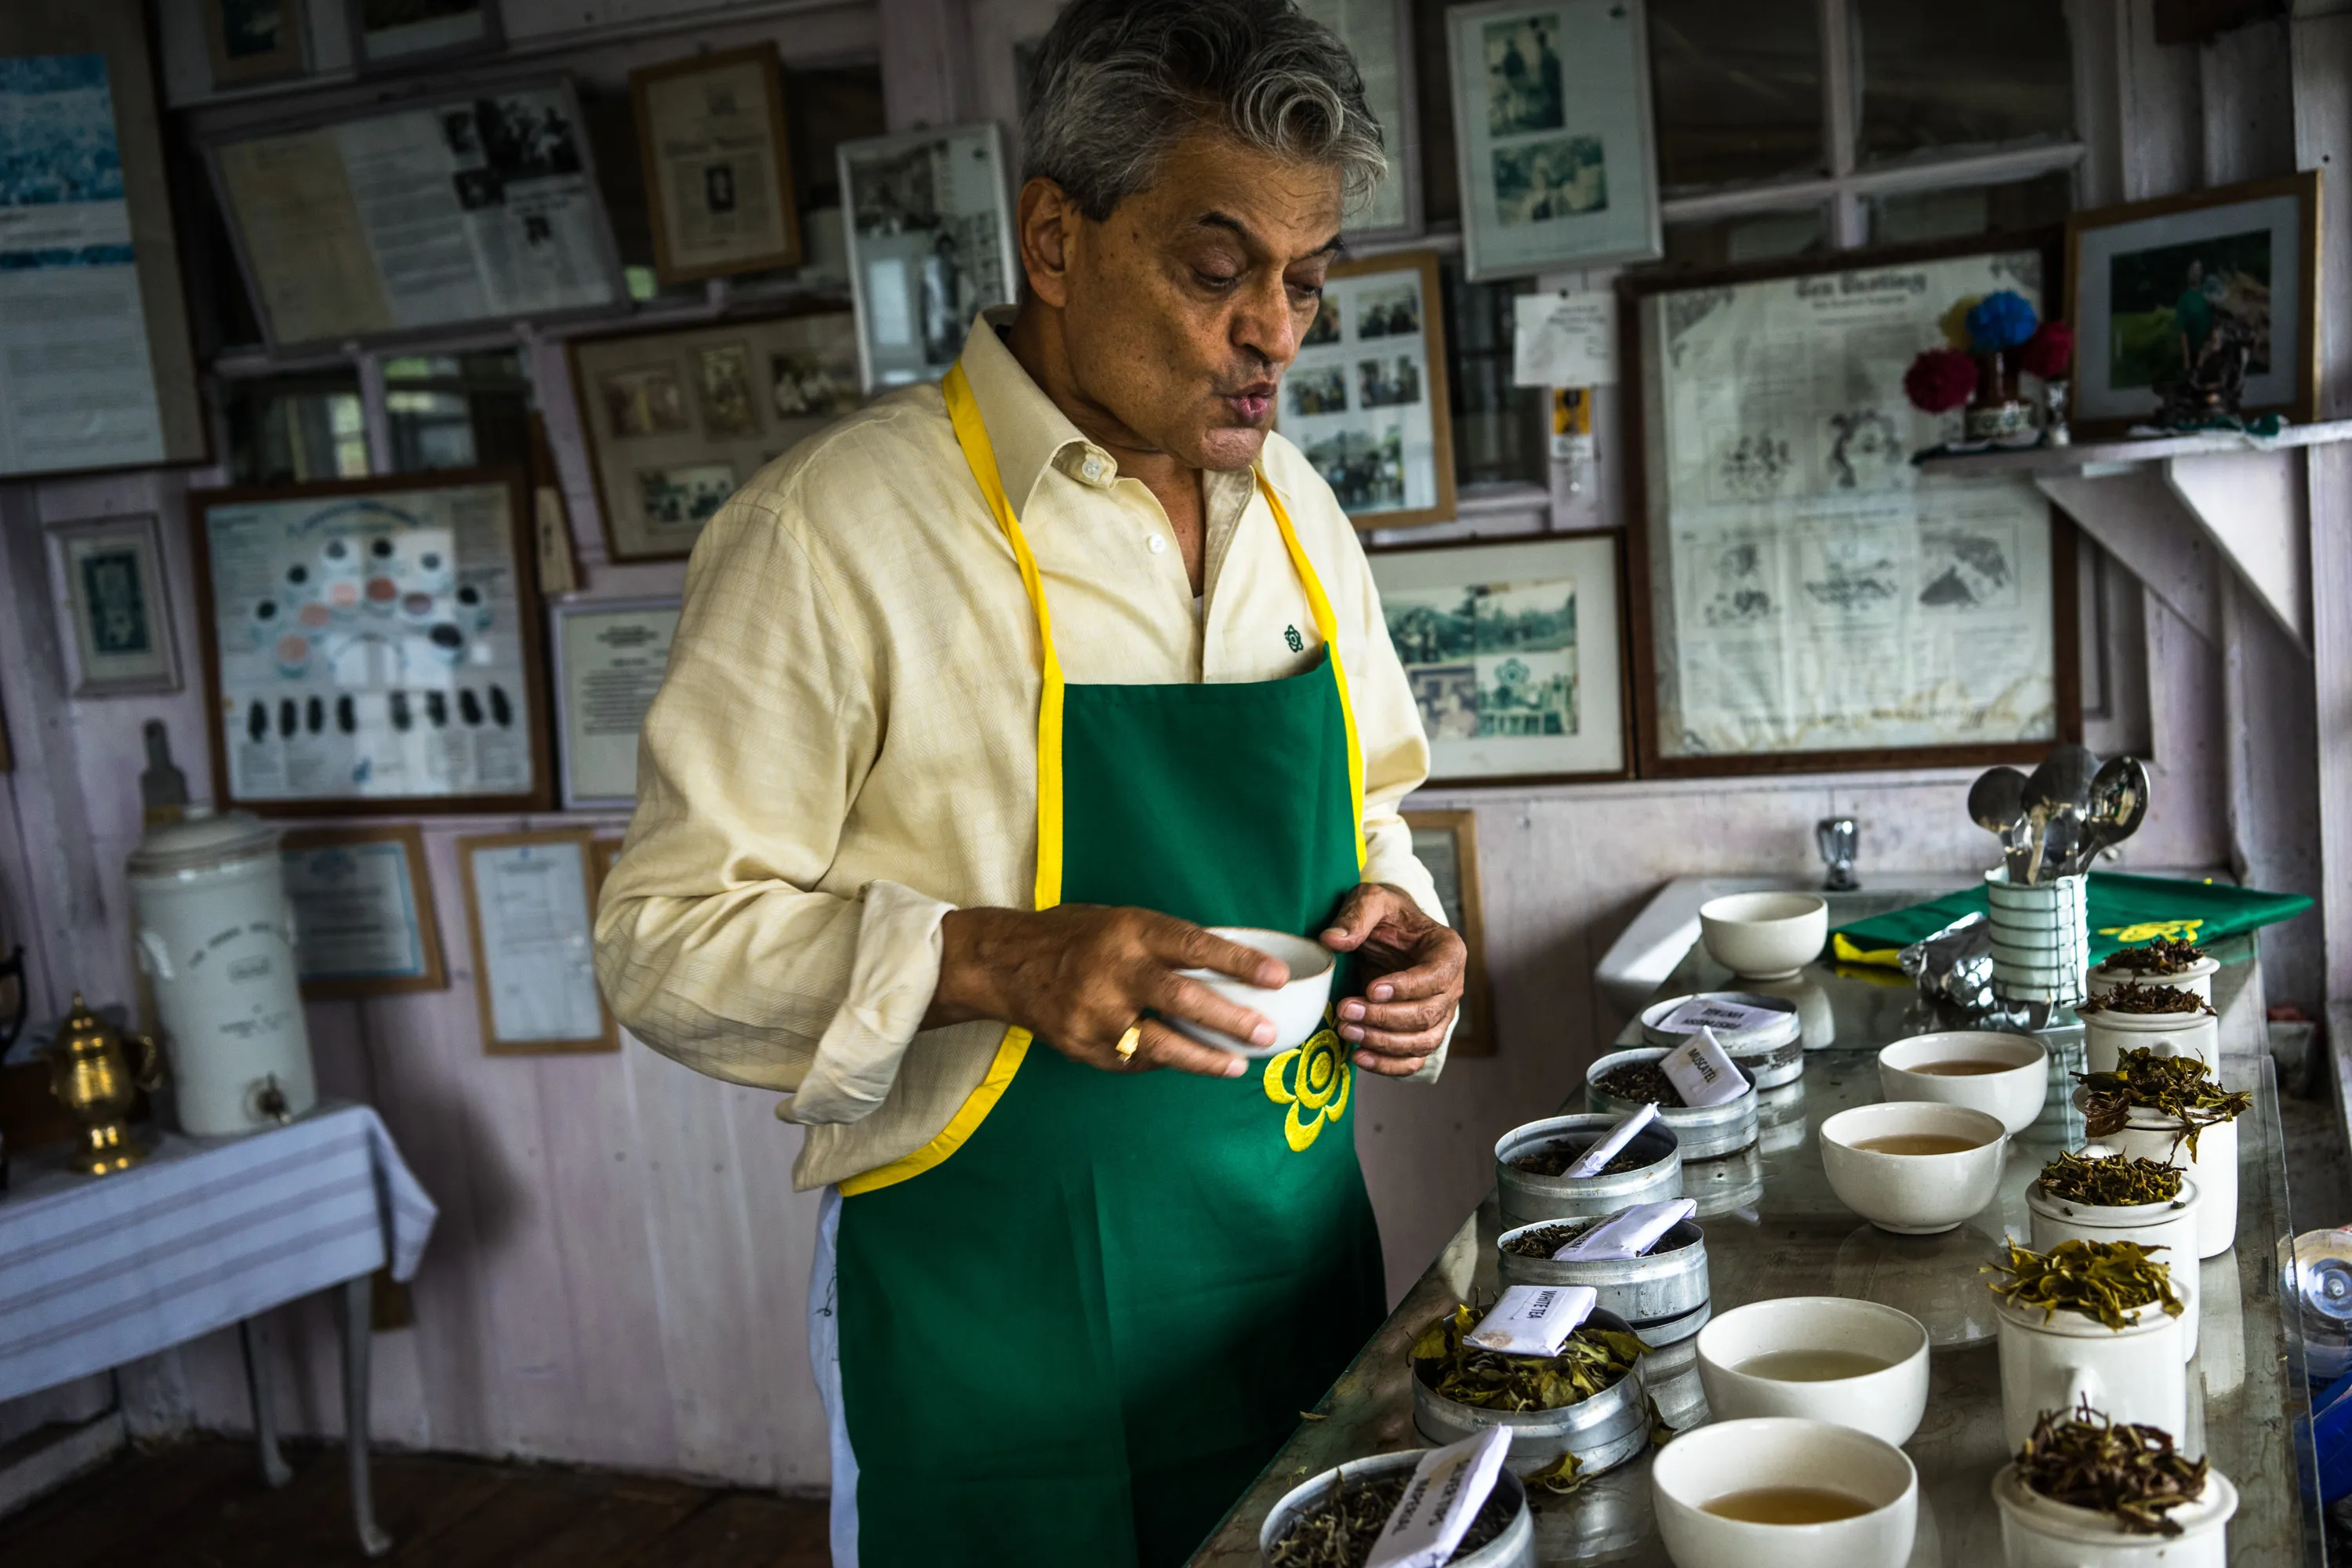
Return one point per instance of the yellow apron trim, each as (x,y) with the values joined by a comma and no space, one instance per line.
(966,1122)
(1327,625)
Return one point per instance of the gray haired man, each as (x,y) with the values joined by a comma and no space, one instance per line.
(986,705)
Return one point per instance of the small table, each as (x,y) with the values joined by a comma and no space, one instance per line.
(99,1270)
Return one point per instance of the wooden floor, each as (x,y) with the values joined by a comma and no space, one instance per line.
(201,1504)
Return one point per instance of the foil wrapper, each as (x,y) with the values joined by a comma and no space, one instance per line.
(1954,966)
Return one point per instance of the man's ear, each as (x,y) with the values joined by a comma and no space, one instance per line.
(1046,227)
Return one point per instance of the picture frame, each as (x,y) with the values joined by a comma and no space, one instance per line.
(602,855)
(1546,702)
(1837,609)
(2243,249)
(374,645)
(718,163)
(1379,429)
(1552,135)
(608,657)
(530,905)
(676,419)
(363,902)
(108,574)
(255,40)
(1379,34)
(921,203)
(1446,844)
(395,35)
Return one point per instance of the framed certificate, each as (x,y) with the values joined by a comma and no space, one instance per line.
(1365,398)
(610,656)
(108,572)
(362,911)
(718,169)
(931,246)
(530,903)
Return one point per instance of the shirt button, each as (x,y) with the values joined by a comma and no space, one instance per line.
(1092,468)
(1156,544)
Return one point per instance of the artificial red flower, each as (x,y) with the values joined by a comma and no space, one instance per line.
(1940,380)
(2048,353)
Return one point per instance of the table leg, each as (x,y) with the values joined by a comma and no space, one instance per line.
(259,1380)
(352,1304)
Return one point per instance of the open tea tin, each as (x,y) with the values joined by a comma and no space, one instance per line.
(1602,1431)
(1525,1197)
(1770,1054)
(1662,1295)
(1704,1132)
(1515,1548)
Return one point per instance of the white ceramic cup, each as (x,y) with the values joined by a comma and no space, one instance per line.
(2170,1227)
(1887,1403)
(1917,1195)
(2014,1096)
(2037,1531)
(2106,1036)
(1726,1457)
(1765,936)
(1296,1010)
(2056,1362)
(2213,1167)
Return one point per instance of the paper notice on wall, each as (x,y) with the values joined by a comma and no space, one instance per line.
(1565,340)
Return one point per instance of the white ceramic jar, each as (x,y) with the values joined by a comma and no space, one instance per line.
(2055,1361)
(2106,1036)
(2172,1227)
(2213,1167)
(2196,977)
(2037,1531)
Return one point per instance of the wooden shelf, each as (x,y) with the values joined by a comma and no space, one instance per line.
(2105,455)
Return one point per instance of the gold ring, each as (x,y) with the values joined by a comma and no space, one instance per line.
(1127,1042)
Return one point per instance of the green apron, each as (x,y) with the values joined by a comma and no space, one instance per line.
(1074,1327)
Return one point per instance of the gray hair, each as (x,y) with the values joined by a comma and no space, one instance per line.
(1117,82)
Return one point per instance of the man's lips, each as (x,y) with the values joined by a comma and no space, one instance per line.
(1252,401)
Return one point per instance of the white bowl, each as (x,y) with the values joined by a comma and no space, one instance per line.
(1296,1010)
(1725,1456)
(1917,1194)
(2015,1097)
(1887,1403)
(1765,936)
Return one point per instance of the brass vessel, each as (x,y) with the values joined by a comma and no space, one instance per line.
(91,1073)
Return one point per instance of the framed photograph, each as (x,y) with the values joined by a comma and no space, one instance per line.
(530,904)
(1551,134)
(362,911)
(676,419)
(610,657)
(395,223)
(393,34)
(1515,656)
(2155,280)
(254,41)
(372,643)
(931,246)
(718,168)
(109,572)
(1366,399)
(1379,34)
(1446,844)
(1802,596)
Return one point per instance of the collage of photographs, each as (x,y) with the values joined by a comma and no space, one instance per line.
(1356,400)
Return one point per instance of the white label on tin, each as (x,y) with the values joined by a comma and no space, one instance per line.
(1629,1234)
(1715,1013)
(1701,1071)
(1590,1162)
(1533,1319)
(1447,1490)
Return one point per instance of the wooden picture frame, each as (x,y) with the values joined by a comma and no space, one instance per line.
(2271,224)
(1465,912)
(691,118)
(895,226)
(255,40)
(602,855)
(1388,67)
(109,575)
(627,660)
(380,661)
(1432,595)
(1914,278)
(400,868)
(460,30)
(552,881)
(1347,444)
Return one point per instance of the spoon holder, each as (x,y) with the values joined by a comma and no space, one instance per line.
(2040,940)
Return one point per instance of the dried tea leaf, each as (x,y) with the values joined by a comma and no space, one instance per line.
(2131,1472)
(2104,1280)
(1559,1476)
(1591,1362)
(2179,1090)
(2110,1181)
(1340,1530)
(1553,1159)
(1639,1082)
(1544,1240)
(2164,955)
(2133,998)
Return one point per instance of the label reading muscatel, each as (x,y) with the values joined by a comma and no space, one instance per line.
(1447,1490)
(1628,1234)
(1701,1072)
(1590,1162)
(1533,1319)
(1715,1013)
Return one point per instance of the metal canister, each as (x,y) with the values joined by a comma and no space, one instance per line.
(1662,1295)
(1525,1197)
(1602,1431)
(1515,1548)
(1770,1054)
(1703,1131)
(2316,1272)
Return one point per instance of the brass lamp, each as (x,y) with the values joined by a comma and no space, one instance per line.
(91,1073)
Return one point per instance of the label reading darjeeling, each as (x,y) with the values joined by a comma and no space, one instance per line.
(1715,1013)
(1533,1319)
(1702,1072)
(1449,1486)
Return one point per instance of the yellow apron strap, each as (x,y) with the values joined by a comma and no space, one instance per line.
(1327,626)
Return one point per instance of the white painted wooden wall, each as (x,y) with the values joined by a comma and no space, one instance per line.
(619,1274)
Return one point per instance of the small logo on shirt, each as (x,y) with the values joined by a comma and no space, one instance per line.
(1290,634)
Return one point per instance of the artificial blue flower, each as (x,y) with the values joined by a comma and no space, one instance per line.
(2000,321)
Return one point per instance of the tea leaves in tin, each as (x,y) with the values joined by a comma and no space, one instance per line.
(2104,1280)
(1638,1081)
(1591,1363)
(2129,1472)
(1544,1240)
(2146,1001)
(1340,1530)
(2164,955)
(2110,1181)
(1553,1159)
(2179,1090)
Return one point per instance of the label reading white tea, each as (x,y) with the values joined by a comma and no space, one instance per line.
(1715,1013)
(1592,1160)
(1533,1319)
(1701,1073)
(1629,1233)
(1447,1490)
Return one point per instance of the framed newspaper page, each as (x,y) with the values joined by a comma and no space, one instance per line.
(719,167)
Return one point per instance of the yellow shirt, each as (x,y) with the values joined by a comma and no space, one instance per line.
(844,747)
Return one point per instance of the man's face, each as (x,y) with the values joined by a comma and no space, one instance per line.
(1185,307)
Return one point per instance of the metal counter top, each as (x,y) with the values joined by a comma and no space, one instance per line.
(1774,1228)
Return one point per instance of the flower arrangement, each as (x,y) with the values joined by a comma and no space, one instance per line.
(1990,341)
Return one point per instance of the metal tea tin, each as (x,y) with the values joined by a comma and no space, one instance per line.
(1525,1197)
(1662,1295)
(1602,1431)
(1515,1548)
(1770,1054)
(1704,1132)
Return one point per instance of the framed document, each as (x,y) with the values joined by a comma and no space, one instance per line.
(1446,844)
(530,904)
(254,41)
(392,35)
(447,210)
(677,420)
(1551,134)
(1379,34)
(931,246)
(1366,399)
(362,911)
(2241,262)
(108,572)
(718,172)
(1514,654)
(1804,597)
(610,656)
(372,642)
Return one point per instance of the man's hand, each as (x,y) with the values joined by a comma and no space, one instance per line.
(1078,975)
(1411,968)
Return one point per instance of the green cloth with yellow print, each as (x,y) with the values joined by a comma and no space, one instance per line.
(2123,910)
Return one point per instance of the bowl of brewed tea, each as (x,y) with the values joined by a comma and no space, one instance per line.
(1295,1009)
(1826,1358)
(1779,1492)
(2004,1076)
(1914,1166)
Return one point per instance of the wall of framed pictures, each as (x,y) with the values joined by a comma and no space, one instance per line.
(1365,398)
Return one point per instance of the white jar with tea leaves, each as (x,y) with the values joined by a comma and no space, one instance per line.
(2212,1165)
(2108,1032)
(2037,1531)
(2168,1229)
(2059,1360)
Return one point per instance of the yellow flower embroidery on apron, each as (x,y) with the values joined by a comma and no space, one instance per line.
(1312,1079)
(2148,930)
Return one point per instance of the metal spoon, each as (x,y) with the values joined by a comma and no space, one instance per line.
(2058,794)
(2118,805)
(1997,801)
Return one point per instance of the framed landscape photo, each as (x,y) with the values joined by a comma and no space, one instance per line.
(364,911)
(610,657)
(719,167)
(1515,654)
(531,905)
(1446,844)
(393,34)
(2241,262)
(1552,135)
(931,246)
(109,571)
(1366,399)
(254,41)
(1379,34)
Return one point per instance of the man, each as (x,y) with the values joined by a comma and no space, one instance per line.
(985,703)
